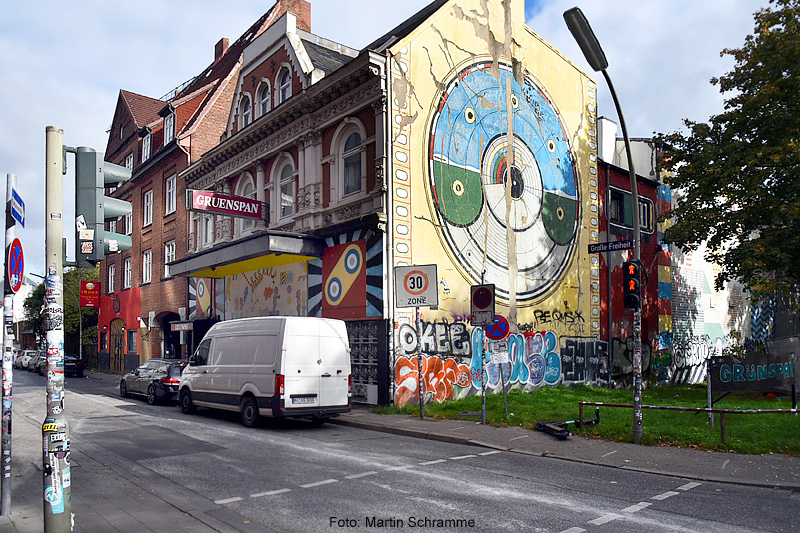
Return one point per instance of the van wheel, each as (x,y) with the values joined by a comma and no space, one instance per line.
(151,395)
(187,406)
(249,408)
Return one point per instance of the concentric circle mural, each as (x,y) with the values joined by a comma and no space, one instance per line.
(488,174)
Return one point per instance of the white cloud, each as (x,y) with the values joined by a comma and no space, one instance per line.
(63,64)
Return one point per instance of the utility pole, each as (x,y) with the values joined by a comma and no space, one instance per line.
(587,41)
(55,430)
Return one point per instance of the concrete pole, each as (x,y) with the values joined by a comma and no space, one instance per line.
(8,366)
(55,430)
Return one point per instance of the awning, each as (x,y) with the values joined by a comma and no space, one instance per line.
(264,250)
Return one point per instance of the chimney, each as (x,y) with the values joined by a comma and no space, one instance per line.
(220,49)
(299,8)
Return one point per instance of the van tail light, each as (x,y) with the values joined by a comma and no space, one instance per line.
(279,389)
(169,381)
(349,389)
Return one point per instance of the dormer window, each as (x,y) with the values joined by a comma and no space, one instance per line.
(147,145)
(284,85)
(169,128)
(245,116)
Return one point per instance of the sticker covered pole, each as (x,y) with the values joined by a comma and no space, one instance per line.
(55,430)
(8,350)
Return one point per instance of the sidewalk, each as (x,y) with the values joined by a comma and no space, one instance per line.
(115,497)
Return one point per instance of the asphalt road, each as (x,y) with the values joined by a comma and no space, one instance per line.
(291,476)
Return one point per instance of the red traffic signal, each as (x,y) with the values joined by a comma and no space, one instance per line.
(632,287)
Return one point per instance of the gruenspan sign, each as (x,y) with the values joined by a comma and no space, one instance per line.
(213,202)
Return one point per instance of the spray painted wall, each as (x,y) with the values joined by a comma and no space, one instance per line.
(494,179)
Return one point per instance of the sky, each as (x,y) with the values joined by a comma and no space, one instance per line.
(63,64)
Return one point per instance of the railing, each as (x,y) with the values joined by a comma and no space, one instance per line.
(721,412)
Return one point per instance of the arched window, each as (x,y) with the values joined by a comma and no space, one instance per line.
(245,189)
(286,194)
(351,162)
(284,85)
(245,116)
(263,95)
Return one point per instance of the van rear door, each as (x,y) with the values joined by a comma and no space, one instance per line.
(334,364)
(301,363)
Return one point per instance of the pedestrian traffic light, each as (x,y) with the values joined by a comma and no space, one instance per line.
(632,281)
(93,208)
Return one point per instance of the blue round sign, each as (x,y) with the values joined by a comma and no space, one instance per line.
(499,330)
(16,265)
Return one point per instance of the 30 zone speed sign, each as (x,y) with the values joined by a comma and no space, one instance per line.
(416,286)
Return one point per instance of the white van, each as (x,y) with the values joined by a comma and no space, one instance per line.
(271,366)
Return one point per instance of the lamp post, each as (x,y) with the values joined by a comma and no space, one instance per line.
(590,46)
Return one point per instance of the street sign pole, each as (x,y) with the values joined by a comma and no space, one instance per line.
(420,377)
(56,470)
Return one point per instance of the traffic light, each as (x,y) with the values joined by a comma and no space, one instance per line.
(93,208)
(632,282)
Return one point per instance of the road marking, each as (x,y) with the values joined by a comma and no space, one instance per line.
(638,507)
(609,453)
(363,474)
(664,495)
(689,486)
(270,493)
(490,453)
(604,519)
(574,530)
(462,457)
(228,500)
(436,462)
(399,467)
(520,437)
(725,463)
(459,427)
(318,483)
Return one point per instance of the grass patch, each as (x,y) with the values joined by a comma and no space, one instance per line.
(746,433)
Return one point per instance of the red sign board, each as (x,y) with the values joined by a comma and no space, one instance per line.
(15,263)
(90,294)
(235,206)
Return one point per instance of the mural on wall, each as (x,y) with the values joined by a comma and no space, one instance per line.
(201,298)
(278,291)
(494,179)
(347,282)
(451,361)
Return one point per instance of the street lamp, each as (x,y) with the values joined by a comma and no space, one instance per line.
(590,46)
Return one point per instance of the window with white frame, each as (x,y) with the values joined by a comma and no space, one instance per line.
(263,96)
(284,85)
(128,223)
(352,155)
(245,189)
(129,162)
(147,143)
(147,208)
(112,272)
(147,266)
(208,230)
(286,191)
(170,185)
(245,116)
(112,226)
(127,267)
(169,128)
(169,256)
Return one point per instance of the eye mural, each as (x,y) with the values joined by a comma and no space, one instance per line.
(482,183)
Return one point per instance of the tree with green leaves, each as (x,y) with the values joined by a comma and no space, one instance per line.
(34,311)
(738,176)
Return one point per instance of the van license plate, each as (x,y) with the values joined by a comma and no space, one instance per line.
(306,399)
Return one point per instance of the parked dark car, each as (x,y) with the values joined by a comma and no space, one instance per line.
(157,380)
(72,366)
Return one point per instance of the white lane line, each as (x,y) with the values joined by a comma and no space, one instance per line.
(609,453)
(490,452)
(227,500)
(436,462)
(664,495)
(520,437)
(637,507)
(362,474)
(318,483)
(458,458)
(604,519)
(270,493)
(399,467)
(573,530)
(689,486)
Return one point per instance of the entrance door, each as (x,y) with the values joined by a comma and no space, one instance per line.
(116,345)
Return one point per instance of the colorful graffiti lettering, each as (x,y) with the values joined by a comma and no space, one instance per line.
(441,379)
